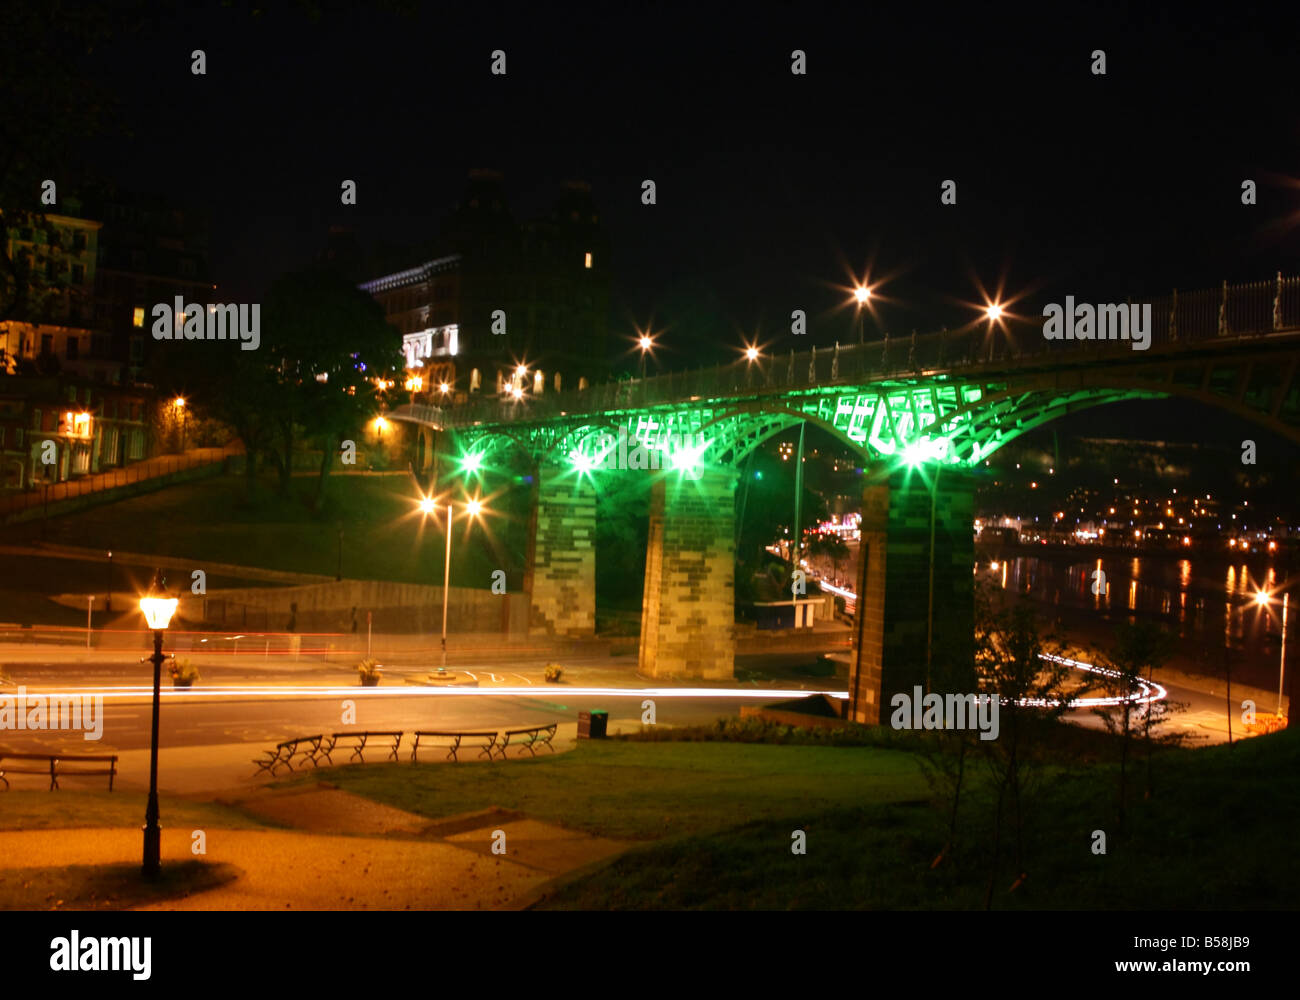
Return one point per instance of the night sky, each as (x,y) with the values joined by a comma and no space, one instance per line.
(772,188)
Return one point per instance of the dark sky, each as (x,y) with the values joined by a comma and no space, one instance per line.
(771,187)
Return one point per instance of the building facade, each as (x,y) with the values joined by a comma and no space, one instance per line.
(505,307)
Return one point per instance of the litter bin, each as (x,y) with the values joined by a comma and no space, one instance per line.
(592,725)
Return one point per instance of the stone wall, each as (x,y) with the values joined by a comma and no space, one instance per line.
(893,586)
(334,606)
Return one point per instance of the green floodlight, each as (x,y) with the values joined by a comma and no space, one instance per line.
(471,463)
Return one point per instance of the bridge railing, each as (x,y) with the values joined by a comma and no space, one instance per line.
(1245,310)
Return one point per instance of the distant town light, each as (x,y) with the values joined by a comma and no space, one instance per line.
(994,311)
(751,353)
(862,293)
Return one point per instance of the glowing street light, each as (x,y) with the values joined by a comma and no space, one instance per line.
(1264,598)
(517,393)
(993,312)
(158,609)
(646,343)
(751,353)
(444,388)
(861,296)
(473,508)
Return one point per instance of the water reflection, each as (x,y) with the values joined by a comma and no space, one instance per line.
(1187,597)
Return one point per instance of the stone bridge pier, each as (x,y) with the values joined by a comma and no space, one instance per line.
(560,571)
(688,609)
(893,587)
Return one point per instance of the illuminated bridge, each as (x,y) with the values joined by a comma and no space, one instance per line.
(921,412)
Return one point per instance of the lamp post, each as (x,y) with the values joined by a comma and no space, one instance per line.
(158,610)
(1281,667)
(428,505)
(180,413)
(108,603)
(339,573)
(861,295)
(645,343)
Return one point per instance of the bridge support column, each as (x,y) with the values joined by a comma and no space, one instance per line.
(688,611)
(893,587)
(560,575)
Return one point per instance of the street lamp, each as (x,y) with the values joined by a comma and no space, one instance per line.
(861,294)
(158,609)
(179,403)
(108,603)
(1263,599)
(427,506)
(645,343)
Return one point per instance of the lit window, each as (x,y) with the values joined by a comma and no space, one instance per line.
(587,261)
(137,316)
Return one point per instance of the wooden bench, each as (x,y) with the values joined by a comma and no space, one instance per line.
(452,741)
(357,742)
(530,738)
(54,766)
(304,747)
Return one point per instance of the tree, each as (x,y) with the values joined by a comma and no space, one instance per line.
(325,341)
(1022,667)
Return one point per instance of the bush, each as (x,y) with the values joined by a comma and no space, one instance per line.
(554,672)
(369,668)
(183,671)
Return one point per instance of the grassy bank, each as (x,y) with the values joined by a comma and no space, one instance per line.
(384,535)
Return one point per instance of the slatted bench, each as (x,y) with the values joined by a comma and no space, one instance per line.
(357,743)
(54,766)
(527,739)
(304,747)
(486,739)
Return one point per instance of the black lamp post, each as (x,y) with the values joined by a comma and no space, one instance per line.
(158,609)
(108,603)
(339,573)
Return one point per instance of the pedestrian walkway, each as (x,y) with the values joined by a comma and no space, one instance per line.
(47,494)
(393,860)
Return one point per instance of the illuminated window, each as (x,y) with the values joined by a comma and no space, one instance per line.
(587,262)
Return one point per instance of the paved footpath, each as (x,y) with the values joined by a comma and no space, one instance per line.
(374,857)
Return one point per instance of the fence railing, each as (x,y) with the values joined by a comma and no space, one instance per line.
(1254,309)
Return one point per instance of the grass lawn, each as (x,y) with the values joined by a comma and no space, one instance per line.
(212,520)
(1218,834)
(628,790)
(40,810)
(109,887)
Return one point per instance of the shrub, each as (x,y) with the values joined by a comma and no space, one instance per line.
(183,670)
(554,672)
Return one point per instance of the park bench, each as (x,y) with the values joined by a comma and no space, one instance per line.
(54,766)
(304,747)
(528,739)
(452,741)
(357,743)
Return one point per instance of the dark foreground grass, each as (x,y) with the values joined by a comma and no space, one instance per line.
(108,887)
(66,809)
(638,791)
(1218,834)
